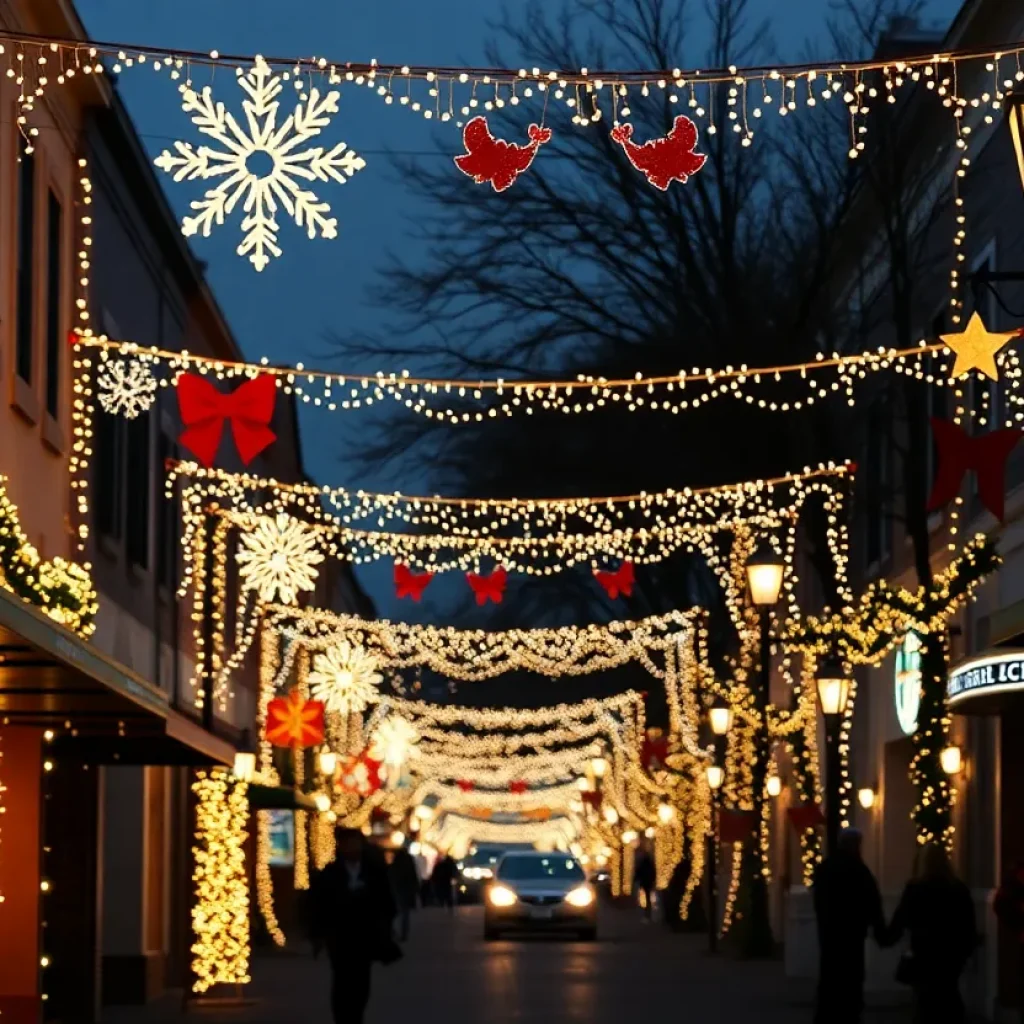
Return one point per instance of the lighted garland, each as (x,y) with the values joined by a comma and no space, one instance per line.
(867,632)
(220,915)
(62,590)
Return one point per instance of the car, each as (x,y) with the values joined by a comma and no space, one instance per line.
(475,871)
(540,892)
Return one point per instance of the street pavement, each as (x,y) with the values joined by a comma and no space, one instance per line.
(451,976)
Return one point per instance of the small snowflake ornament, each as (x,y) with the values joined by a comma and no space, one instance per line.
(278,557)
(345,678)
(261,165)
(126,386)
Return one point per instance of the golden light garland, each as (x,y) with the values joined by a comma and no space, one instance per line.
(264,882)
(220,915)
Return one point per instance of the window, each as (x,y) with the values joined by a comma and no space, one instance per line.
(54,295)
(108,500)
(167,537)
(137,492)
(876,519)
(26,261)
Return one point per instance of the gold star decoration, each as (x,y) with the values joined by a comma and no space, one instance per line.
(976,348)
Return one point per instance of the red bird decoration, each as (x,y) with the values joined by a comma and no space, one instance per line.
(517,787)
(409,583)
(986,455)
(465,785)
(488,588)
(664,160)
(294,722)
(618,583)
(249,409)
(494,160)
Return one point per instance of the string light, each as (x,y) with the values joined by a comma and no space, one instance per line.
(220,915)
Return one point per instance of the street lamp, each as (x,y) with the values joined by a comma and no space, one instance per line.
(764,575)
(774,785)
(716,776)
(720,717)
(245,766)
(599,766)
(666,812)
(833,695)
(1015,115)
(951,759)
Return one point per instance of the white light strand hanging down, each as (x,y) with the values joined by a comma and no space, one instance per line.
(140,370)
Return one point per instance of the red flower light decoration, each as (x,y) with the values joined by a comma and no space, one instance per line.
(494,160)
(517,787)
(204,410)
(488,588)
(361,775)
(664,160)
(294,722)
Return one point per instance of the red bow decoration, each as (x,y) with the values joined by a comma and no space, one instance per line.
(495,160)
(653,753)
(592,797)
(618,583)
(294,722)
(409,583)
(465,785)
(734,826)
(488,588)
(986,455)
(664,160)
(805,816)
(517,787)
(249,409)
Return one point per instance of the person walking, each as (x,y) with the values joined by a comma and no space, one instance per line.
(351,913)
(1009,908)
(937,911)
(406,881)
(443,878)
(676,891)
(644,878)
(847,905)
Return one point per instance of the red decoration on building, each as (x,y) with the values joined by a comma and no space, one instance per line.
(465,785)
(488,588)
(592,797)
(361,775)
(653,752)
(494,160)
(805,816)
(409,583)
(249,409)
(664,160)
(735,826)
(618,583)
(958,452)
(517,787)
(294,722)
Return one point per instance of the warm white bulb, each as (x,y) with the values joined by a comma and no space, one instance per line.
(866,798)
(773,785)
(951,760)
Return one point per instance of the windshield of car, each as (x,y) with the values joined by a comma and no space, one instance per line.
(518,869)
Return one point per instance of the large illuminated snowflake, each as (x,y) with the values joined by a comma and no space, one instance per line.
(262,165)
(278,557)
(126,386)
(395,742)
(345,678)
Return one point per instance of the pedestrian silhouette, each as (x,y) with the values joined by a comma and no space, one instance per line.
(443,878)
(847,904)
(937,911)
(406,882)
(351,910)
(644,878)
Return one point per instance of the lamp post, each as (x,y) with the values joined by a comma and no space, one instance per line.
(764,580)
(715,776)
(833,695)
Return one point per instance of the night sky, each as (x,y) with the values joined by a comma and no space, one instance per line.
(321,286)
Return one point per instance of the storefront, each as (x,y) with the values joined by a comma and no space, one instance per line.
(991,686)
(67,713)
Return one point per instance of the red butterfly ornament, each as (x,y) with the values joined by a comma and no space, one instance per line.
(517,787)
(488,588)
(958,452)
(494,160)
(294,722)
(361,775)
(249,409)
(409,583)
(618,583)
(665,160)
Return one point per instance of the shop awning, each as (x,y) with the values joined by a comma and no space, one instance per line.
(102,711)
(988,683)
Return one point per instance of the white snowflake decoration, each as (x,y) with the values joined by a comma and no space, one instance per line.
(279,557)
(262,165)
(126,386)
(345,678)
(395,742)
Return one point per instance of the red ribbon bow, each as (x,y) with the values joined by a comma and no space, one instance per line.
(249,409)
(488,588)
(517,787)
(409,583)
(465,785)
(986,455)
(805,816)
(619,582)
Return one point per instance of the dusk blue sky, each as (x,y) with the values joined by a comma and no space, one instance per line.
(321,286)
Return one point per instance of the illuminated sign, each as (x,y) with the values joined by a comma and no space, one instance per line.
(986,675)
(282,839)
(907,690)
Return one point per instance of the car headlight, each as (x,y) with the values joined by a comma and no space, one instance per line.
(471,873)
(581,897)
(502,896)
(485,873)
